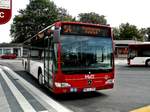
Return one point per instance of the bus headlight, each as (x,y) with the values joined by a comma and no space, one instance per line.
(110,81)
(62,84)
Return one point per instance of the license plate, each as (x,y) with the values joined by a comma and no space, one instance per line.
(88,89)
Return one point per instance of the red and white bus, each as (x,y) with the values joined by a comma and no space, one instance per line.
(139,54)
(72,57)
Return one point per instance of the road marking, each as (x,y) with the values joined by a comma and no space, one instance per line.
(120,62)
(143,109)
(43,111)
(4,104)
(57,106)
(19,97)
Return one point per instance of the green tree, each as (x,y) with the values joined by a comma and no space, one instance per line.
(92,17)
(37,15)
(143,34)
(116,33)
(148,33)
(63,15)
(129,32)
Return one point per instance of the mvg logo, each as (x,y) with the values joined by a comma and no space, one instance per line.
(5,11)
(90,76)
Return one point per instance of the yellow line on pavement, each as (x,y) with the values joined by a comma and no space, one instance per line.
(143,109)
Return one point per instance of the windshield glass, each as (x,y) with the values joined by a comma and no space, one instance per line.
(86,54)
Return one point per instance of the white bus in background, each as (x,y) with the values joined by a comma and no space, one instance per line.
(139,54)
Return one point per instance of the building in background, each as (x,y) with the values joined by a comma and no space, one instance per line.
(6,48)
(121,47)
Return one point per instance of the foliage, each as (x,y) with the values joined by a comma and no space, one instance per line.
(148,33)
(38,15)
(143,34)
(41,13)
(116,33)
(92,17)
(129,32)
(64,16)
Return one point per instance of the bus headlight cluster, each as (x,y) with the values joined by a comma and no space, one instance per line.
(62,84)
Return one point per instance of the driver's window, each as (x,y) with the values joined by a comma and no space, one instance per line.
(133,53)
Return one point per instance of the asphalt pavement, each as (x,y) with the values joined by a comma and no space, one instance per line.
(18,95)
(19,92)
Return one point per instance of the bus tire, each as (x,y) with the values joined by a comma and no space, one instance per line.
(147,63)
(40,77)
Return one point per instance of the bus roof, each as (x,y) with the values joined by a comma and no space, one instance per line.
(81,23)
(60,23)
(140,44)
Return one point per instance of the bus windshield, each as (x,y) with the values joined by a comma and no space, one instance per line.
(86,54)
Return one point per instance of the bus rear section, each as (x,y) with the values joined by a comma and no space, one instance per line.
(139,54)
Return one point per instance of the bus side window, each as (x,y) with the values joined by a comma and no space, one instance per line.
(35,55)
(146,53)
(41,54)
(133,53)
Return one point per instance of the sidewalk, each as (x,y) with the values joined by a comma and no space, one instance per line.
(120,61)
(4,106)
(10,60)
(18,95)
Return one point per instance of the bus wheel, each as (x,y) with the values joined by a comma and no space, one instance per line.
(148,63)
(40,78)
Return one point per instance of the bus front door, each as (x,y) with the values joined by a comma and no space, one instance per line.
(48,65)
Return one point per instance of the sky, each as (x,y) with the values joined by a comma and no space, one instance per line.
(136,12)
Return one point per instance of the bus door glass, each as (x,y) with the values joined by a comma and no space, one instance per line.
(47,72)
(50,61)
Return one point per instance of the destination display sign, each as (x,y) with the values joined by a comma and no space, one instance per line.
(75,29)
(4,4)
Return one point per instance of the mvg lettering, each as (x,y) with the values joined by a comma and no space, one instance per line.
(89,76)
